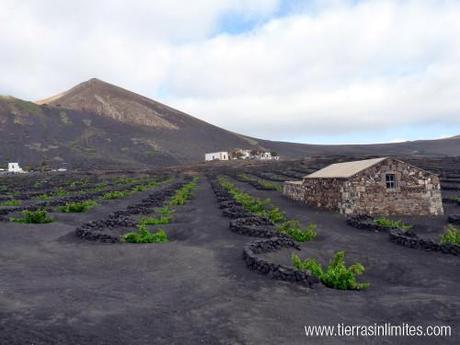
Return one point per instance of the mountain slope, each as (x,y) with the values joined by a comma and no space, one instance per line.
(438,147)
(99,125)
(119,104)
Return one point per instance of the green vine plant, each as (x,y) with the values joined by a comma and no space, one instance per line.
(265,208)
(337,275)
(12,202)
(293,229)
(33,217)
(165,217)
(77,207)
(165,214)
(392,224)
(143,235)
(451,235)
(184,193)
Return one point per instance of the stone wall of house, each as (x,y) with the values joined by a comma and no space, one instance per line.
(294,190)
(417,192)
(323,192)
(315,192)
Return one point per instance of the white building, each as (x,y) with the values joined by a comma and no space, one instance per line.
(14,168)
(213,156)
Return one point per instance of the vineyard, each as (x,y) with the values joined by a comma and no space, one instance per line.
(212,256)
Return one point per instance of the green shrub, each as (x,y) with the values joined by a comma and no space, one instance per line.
(33,217)
(292,229)
(392,224)
(165,217)
(11,203)
(451,235)
(77,207)
(337,274)
(115,195)
(142,235)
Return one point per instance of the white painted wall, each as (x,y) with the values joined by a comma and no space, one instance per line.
(14,168)
(222,156)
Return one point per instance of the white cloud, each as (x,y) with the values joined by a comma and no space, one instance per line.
(333,68)
(48,45)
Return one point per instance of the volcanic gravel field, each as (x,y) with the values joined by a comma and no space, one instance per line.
(58,288)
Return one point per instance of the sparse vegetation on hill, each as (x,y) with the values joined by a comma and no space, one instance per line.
(337,275)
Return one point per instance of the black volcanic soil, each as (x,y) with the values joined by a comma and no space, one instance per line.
(58,289)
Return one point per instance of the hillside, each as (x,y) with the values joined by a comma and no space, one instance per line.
(99,125)
(96,124)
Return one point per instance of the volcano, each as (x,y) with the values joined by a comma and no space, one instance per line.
(99,125)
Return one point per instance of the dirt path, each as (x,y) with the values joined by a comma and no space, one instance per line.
(57,289)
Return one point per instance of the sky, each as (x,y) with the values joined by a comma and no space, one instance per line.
(311,71)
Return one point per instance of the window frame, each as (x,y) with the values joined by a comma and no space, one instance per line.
(389,182)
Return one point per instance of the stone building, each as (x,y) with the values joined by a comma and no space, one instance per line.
(380,186)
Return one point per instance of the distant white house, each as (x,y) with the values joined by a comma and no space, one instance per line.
(219,156)
(268,156)
(14,168)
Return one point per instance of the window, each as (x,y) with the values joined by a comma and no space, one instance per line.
(390,181)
